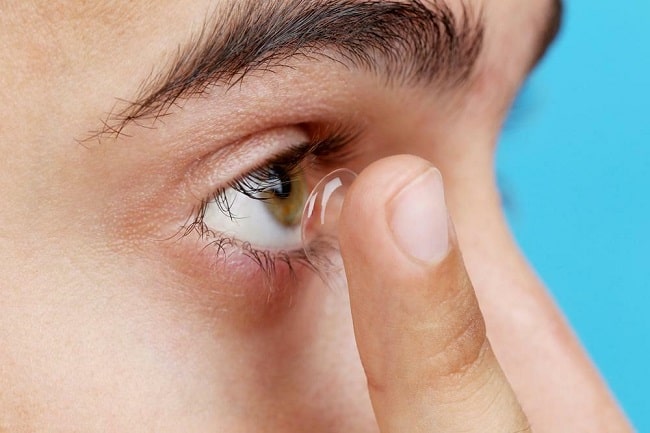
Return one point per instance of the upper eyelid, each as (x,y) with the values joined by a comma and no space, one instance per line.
(328,142)
(215,169)
(335,147)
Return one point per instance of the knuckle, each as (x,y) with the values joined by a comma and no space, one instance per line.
(462,351)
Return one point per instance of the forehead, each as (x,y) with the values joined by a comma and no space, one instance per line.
(72,28)
(110,21)
(101,12)
(112,14)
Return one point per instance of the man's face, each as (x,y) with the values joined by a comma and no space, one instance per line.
(144,286)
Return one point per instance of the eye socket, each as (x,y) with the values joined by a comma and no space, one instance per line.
(261,211)
(263,208)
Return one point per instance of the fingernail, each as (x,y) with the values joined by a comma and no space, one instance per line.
(418,218)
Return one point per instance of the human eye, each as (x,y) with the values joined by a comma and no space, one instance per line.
(262,208)
(258,214)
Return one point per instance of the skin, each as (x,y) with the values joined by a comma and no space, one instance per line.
(108,325)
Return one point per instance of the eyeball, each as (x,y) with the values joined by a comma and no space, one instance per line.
(264,210)
(285,198)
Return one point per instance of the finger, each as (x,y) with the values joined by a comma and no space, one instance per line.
(418,326)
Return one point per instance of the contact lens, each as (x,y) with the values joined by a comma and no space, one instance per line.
(320,224)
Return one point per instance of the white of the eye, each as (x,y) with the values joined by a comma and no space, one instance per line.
(252,223)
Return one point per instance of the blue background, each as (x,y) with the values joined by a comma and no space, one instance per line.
(574,164)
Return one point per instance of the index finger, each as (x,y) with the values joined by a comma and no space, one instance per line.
(418,326)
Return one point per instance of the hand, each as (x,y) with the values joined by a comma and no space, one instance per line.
(418,326)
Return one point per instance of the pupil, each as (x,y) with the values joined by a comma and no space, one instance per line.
(282,184)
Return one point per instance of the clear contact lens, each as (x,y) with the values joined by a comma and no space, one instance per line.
(320,224)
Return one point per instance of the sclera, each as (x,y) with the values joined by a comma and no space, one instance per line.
(320,227)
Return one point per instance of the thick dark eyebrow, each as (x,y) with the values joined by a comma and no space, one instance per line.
(404,42)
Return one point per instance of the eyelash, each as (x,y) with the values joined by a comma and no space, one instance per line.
(319,155)
(254,183)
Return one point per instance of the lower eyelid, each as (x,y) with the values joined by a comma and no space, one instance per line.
(238,268)
(231,285)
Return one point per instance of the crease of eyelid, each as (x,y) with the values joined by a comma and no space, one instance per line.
(406,42)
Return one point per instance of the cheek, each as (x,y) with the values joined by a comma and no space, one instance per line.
(90,336)
(221,284)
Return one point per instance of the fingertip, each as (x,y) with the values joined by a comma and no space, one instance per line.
(380,181)
(372,201)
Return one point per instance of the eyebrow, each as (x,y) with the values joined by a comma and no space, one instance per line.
(405,42)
